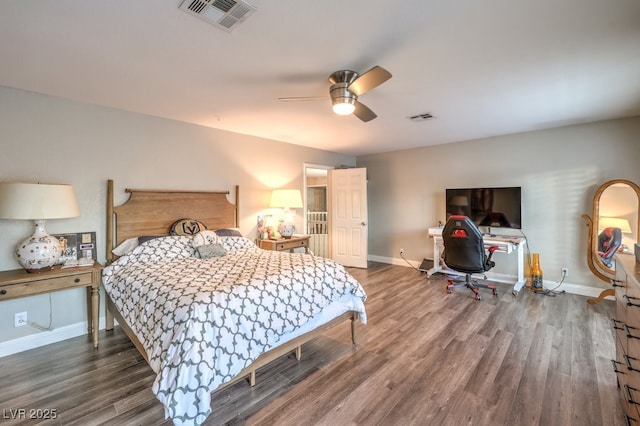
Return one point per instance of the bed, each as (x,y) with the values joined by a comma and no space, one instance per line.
(202,321)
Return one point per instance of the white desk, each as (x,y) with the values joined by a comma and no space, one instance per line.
(505,244)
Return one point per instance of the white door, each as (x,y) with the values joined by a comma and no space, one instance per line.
(348,216)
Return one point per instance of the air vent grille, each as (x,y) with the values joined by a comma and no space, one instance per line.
(196,6)
(240,11)
(224,6)
(224,14)
(422,117)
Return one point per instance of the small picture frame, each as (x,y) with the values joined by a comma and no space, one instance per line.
(266,227)
(77,246)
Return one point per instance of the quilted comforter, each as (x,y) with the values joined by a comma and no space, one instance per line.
(201,321)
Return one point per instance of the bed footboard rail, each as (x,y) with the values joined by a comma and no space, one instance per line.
(292,345)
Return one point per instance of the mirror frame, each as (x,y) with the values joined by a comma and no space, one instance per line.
(597,267)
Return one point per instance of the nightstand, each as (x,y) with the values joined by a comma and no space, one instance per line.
(20,283)
(286,244)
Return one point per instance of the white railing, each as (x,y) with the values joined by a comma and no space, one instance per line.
(318,231)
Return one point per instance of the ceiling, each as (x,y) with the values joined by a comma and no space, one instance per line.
(482,68)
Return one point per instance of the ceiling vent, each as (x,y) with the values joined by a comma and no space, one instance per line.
(421,117)
(224,14)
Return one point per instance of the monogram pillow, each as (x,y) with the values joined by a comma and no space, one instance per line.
(186,227)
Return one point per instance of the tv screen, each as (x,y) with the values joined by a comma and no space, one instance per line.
(490,207)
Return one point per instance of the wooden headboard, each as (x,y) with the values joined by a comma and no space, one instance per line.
(152,212)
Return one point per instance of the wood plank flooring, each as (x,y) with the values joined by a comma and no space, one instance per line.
(424,358)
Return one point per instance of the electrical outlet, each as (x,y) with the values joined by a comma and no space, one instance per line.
(20,319)
(401,251)
(565,272)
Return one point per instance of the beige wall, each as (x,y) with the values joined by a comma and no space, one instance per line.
(558,171)
(51,140)
(57,141)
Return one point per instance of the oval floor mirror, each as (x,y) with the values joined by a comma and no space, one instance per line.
(613,228)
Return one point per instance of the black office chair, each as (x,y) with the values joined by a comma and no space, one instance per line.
(609,241)
(464,252)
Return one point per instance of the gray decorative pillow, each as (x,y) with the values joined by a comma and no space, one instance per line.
(146,238)
(210,250)
(228,232)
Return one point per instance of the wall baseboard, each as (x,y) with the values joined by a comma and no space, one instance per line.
(393,261)
(577,289)
(43,338)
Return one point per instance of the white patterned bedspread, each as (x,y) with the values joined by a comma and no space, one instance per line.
(201,321)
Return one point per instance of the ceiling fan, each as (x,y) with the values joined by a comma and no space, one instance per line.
(345,88)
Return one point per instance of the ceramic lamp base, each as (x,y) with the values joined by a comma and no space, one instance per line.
(286,230)
(40,251)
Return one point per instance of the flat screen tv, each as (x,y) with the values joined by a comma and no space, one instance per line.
(490,207)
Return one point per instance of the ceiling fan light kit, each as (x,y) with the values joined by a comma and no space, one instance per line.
(345,107)
(343,101)
(345,88)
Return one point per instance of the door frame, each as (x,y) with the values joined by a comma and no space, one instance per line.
(306,166)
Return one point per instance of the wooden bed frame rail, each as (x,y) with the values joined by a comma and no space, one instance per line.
(264,359)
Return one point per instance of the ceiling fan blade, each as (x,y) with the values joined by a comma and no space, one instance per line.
(304,98)
(370,79)
(363,112)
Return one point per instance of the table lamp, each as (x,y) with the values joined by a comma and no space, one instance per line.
(287,199)
(37,202)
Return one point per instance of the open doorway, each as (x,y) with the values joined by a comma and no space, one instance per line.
(316,208)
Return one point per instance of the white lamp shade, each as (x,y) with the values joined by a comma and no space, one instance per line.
(614,222)
(286,198)
(37,201)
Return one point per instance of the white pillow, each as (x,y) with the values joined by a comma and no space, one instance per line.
(205,238)
(126,246)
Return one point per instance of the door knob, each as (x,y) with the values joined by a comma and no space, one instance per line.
(363,223)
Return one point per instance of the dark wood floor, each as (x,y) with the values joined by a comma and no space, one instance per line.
(424,358)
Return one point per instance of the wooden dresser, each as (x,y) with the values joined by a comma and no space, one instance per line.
(627,330)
